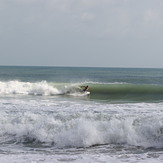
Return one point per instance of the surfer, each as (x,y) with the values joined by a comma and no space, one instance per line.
(84,88)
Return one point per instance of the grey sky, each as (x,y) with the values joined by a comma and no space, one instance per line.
(105,33)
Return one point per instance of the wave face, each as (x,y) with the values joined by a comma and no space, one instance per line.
(127,91)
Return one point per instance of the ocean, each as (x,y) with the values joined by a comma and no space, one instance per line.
(45,116)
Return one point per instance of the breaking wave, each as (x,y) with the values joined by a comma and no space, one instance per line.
(111,91)
(80,130)
(16,87)
(38,88)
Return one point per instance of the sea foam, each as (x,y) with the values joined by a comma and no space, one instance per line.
(38,88)
(63,130)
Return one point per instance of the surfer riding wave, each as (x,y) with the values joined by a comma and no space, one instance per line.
(78,91)
(84,88)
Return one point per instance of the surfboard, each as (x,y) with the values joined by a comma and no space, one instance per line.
(86,93)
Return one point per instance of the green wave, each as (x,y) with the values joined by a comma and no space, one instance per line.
(126,91)
(116,91)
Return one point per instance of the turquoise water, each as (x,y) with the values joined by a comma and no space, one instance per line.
(46,117)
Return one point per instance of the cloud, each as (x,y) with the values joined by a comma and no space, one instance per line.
(109,18)
(80,27)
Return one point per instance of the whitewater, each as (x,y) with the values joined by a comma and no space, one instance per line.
(45,117)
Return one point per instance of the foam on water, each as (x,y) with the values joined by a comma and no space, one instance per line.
(67,125)
(42,88)
(45,118)
(16,87)
(76,158)
(56,123)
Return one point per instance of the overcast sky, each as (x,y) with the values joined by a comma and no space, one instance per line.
(94,33)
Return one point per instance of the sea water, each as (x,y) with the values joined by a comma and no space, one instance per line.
(46,117)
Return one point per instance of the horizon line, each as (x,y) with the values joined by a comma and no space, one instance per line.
(79,66)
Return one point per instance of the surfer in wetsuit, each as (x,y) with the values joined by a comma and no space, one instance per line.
(84,88)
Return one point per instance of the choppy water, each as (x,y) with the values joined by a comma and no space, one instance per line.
(45,117)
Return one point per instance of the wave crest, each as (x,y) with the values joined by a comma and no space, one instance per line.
(27,88)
